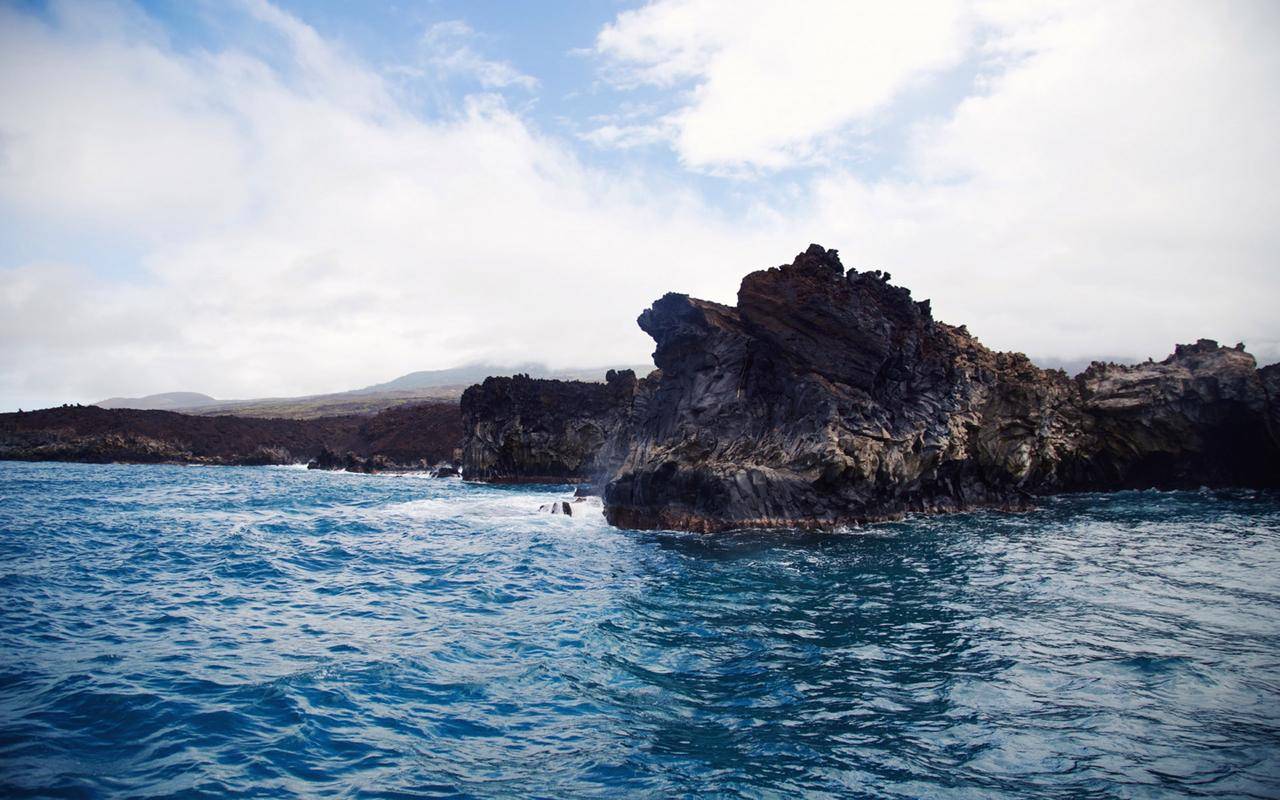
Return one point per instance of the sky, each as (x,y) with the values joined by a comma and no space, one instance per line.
(255,198)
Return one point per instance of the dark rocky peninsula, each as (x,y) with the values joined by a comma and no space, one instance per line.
(828,397)
(404,437)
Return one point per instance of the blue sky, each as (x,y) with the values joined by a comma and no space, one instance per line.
(255,198)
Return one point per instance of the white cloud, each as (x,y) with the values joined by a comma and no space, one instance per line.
(1112,189)
(624,137)
(771,81)
(298,236)
(449,51)
(77,152)
(1109,187)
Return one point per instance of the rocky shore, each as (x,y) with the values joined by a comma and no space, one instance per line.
(828,397)
(405,437)
(823,397)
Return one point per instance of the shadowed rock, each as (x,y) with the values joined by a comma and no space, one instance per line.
(528,430)
(828,397)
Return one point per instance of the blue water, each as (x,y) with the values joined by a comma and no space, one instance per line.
(189,631)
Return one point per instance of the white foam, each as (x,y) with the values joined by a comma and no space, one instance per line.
(506,507)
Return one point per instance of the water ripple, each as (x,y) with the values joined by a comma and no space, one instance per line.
(176,631)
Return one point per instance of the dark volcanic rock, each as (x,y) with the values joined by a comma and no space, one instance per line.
(412,436)
(826,398)
(351,462)
(527,430)
(404,437)
(1201,417)
(327,459)
(1270,376)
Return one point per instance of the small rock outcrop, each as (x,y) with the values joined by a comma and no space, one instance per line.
(529,430)
(558,507)
(329,460)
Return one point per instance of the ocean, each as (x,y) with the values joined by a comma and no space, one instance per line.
(175,631)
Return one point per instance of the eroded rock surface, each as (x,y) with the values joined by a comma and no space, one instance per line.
(827,397)
(529,430)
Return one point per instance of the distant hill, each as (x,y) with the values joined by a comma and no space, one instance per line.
(475,373)
(326,405)
(455,376)
(415,387)
(167,401)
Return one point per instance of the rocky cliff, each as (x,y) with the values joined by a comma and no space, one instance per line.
(827,397)
(399,438)
(530,430)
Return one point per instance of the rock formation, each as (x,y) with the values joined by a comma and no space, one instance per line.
(1200,417)
(530,430)
(558,507)
(827,397)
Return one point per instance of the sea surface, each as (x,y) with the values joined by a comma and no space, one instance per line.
(176,631)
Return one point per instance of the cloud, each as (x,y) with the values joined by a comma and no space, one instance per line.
(771,81)
(77,154)
(297,235)
(1107,183)
(282,220)
(624,137)
(449,51)
(1116,182)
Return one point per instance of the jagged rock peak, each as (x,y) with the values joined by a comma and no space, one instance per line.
(817,259)
(817,278)
(1202,347)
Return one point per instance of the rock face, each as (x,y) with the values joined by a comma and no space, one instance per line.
(1204,416)
(828,397)
(405,437)
(528,430)
(350,462)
